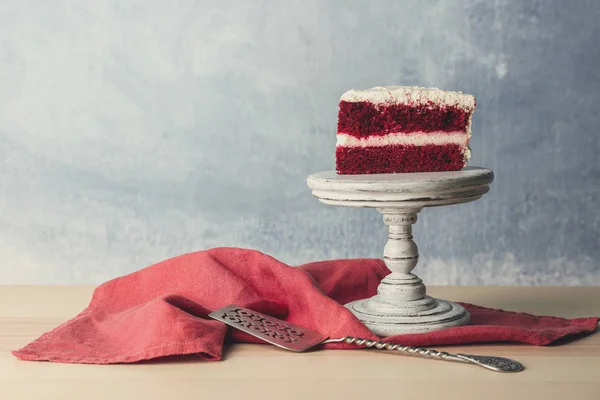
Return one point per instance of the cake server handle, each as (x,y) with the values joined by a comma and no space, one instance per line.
(498,364)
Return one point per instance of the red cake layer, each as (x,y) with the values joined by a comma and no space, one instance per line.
(364,118)
(399,158)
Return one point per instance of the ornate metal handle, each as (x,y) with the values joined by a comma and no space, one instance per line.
(498,364)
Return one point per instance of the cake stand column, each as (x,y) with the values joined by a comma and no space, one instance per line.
(401,304)
(401,255)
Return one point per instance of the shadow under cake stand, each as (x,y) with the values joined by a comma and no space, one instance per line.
(401,304)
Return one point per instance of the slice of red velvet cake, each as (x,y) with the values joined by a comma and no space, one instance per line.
(403,129)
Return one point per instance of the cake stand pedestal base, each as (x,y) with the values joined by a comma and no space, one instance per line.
(401,304)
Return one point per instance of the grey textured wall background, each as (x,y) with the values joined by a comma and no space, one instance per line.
(135,131)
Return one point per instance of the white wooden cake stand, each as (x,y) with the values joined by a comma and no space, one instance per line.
(401,304)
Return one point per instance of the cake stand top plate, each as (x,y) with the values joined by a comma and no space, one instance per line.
(401,190)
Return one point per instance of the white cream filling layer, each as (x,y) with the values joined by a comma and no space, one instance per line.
(413,138)
(412,95)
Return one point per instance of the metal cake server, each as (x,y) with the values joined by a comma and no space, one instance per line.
(292,337)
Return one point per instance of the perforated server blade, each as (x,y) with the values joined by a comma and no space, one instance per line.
(295,338)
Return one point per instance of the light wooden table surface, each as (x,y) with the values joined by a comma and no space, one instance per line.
(570,371)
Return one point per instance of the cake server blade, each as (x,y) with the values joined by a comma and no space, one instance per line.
(295,338)
(272,330)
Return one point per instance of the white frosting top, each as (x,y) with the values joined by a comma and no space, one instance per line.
(410,94)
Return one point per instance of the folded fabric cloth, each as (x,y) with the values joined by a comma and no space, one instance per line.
(162,310)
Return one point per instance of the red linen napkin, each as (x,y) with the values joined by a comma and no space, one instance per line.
(162,310)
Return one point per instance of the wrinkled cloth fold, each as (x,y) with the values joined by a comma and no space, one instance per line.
(162,310)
